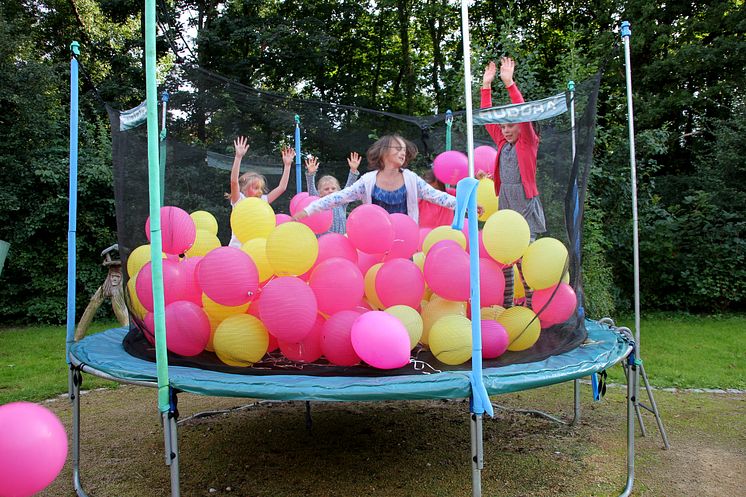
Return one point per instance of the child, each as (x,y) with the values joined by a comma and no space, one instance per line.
(390,185)
(432,215)
(515,168)
(253,184)
(329,184)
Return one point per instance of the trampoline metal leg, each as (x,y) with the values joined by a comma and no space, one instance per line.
(653,408)
(172,451)
(477,454)
(74,379)
(576,403)
(631,408)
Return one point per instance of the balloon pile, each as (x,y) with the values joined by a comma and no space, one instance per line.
(371,296)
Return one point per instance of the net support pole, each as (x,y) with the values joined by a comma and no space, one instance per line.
(626,33)
(162,144)
(298,183)
(72,213)
(449,126)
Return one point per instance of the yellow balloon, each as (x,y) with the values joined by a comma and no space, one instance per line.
(436,309)
(203,243)
(137,259)
(544,263)
(370,287)
(252,218)
(135,306)
(411,320)
(240,340)
(257,250)
(506,236)
(203,220)
(419,259)
(214,323)
(450,340)
(522,325)
(443,233)
(292,249)
(219,311)
(492,312)
(486,198)
(519,291)
(566,277)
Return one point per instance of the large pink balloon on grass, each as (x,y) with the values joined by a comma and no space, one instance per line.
(554,306)
(380,340)
(451,166)
(33,448)
(288,308)
(228,276)
(400,282)
(370,229)
(337,284)
(336,341)
(178,231)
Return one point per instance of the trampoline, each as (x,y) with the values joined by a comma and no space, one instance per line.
(595,345)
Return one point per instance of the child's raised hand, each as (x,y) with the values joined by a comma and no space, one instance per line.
(354,161)
(241,145)
(312,164)
(507,67)
(288,154)
(489,74)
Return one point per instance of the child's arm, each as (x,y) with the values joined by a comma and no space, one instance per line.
(342,197)
(354,162)
(437,197)
(241,146)
(486,96)
(288,154)
(312,165)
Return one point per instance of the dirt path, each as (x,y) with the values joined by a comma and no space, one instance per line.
(406,448)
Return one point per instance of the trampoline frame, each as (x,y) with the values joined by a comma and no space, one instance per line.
(169,418)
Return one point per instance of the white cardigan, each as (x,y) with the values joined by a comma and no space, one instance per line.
(362,190)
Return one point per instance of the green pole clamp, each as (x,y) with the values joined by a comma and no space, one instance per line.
(75,48)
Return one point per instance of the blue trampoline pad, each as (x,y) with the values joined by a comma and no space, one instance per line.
(604,347)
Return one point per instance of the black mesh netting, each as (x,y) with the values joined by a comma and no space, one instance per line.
(206,113)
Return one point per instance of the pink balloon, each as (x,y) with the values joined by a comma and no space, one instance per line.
(178,231)
(423,234)
(491,283)
(288,308)
(446,270)
(554,307)
(33,448)
(400,282)
(228,276)
(380,340)
(173,283)
(307,350)
(282,218)
(191,289)
(451,166)
(149,327)
(295,200)
(367,261)
(406,237)
(335,245)
(319,222)
(337,284)
(451,190)
(187,328)
(336,341)
(370,230)
(495,339)
(484,159)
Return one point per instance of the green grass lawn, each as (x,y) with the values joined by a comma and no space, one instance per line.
(32,363)
(686,351)
(678,351)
